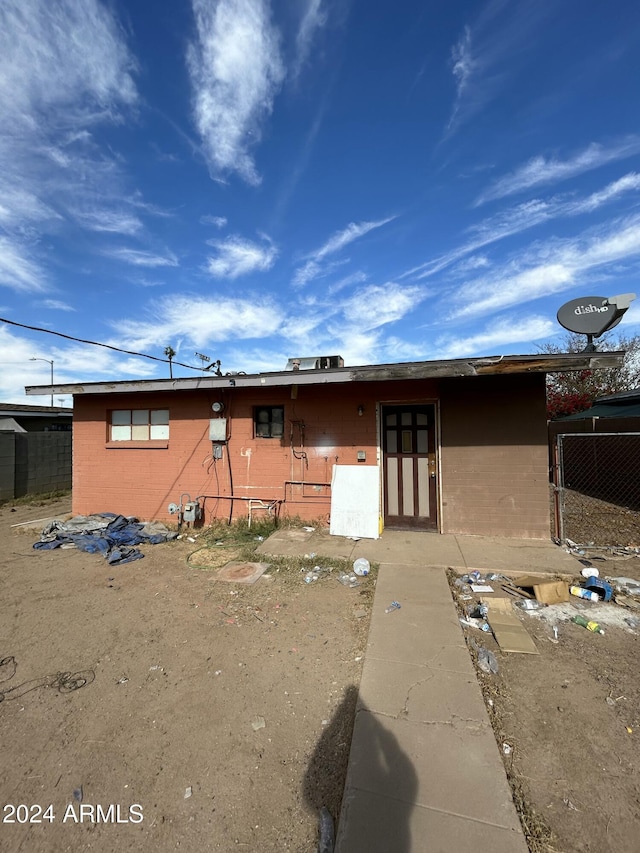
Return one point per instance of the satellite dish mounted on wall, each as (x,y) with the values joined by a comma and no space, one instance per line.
(594,315)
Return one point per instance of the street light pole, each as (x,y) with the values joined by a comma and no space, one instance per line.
(50,362)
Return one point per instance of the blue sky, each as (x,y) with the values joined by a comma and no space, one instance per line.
(261,179)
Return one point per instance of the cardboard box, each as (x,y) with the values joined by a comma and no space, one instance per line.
(546,591)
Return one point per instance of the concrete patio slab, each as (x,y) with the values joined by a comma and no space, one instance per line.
(519,556)
(428,549)
(419,549)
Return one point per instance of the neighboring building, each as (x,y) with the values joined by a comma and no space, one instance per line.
(458,446)
(625,404)
(35,449)
(35,418)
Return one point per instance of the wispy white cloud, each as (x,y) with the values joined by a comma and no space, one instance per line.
(142,258)
(355,278)
(353,231)
(236,71)
(376,305)
(72,363)
(313,19)
(217,221)
(17,270)
(463,63)
(550,268)
(489,53)
(475,262)
(502,332)
(521,217)
(312,268)
(237,256)
(64,67)
(541,170)
(201,322)
(110,221)
(57,305)
(54,55)
(627,183)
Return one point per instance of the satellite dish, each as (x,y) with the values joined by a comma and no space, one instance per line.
(594,315)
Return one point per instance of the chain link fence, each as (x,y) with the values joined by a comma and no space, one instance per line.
(597,488)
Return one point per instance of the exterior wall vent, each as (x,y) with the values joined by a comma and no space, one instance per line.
(316,362)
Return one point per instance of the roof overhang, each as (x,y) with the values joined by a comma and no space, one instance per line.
(488,366)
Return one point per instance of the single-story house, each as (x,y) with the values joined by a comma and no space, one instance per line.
(623,405)
(35,418)
(454,446)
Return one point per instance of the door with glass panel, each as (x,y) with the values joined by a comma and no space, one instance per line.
(409,461)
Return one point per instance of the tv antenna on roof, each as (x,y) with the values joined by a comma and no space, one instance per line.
(214,365)
(594,315)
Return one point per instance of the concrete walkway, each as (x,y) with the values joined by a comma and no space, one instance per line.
(425,774)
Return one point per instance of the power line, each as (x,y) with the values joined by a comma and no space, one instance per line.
(97,344)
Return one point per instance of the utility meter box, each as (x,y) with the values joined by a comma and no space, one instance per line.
(218,429)
(191,511)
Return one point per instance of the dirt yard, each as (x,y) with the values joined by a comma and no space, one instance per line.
(197,714)
(568,724)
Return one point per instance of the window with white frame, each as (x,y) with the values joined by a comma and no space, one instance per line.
(139,424)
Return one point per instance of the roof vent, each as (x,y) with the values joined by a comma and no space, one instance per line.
(316,362)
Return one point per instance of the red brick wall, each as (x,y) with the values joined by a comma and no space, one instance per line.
(143,480)
(493,456)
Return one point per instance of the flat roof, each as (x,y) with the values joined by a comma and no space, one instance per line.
(26,411)
(486,366)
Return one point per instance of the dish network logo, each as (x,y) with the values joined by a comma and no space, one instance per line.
(591,309)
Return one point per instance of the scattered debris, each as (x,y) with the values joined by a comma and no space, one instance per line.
(362,567)
(629,586)
(349,580)
(393,606)
(589,572)
(327,839)
(487,661)
(104,533)
(510,633)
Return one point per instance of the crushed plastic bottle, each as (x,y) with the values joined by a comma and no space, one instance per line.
(361,567)
(478,611)
(395,605)
(487,661)
(529,604)
(588,624)
(349,580)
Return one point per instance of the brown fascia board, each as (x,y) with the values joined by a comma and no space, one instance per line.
(494,365)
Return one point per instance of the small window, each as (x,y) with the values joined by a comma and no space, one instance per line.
(139,424)
(269,421)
